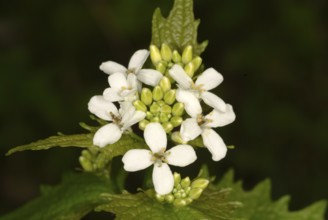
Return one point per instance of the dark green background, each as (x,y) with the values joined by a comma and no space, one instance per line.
(272,54)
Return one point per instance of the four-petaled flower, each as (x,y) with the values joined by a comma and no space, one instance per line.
(121,119)
(193,127)
(139,159)
(189,92)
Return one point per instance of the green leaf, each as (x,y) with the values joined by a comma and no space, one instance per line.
(257,203)
(213,204)
(77,195)
(76,140)
(179,29)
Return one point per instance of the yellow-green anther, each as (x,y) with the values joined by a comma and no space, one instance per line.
(139,105)
(178,109)
(154,108)
(165,84)
(149,115)
(146,96)
(155,55)
(163,117)
(169,97)
(177,178)
(86,164)
(143,124)
(187,55)
(189,69)
(179,202)
(176,121)
(197,61)
(177,138)
(185,182)
(169,198)
(157,93)
(161,67)
(166,52)
(195,193)
(176,57)
(155,119)
(200,183)
(159,197)
(167,127)
(166,109)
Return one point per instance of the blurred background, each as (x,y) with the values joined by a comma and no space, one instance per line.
(272,54)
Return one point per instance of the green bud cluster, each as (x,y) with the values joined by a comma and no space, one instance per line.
(92,160)
(164,58)
(184,191)
(160,105)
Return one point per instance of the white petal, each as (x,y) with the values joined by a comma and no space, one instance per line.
(190,129)
(132,81)
(136,117)
(214,101)
(163,179)
(155,137)
(112,95)
(181,155)
(138,59)
(102,108)
(190,101)
(111,67)
(149,77)
(137,159)
(107,134)
(209,79)
(118,81)
(214,144)
(179,75)
(220,119)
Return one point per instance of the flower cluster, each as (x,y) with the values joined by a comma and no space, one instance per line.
(167,103)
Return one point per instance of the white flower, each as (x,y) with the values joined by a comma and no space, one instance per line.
(156,139)
(189,92)
(147,76)
(193,127)
(121,119)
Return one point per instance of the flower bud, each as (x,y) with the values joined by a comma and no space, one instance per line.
(155,119)
(167,127)
(188,200)
(185,182)
(177,178)
(165,84)
(155,55)
(195,193)
(200,183)
(177,195)
(176,121)
(166,52)
(187,55)
(146,96)
(187,189)
(189,69)
(86,164)
(161,67)
(169,198)
(178,109)
(177,138)
(176,57)
(179,202)
(149,115)
(169,96)
(161,103)
(197,61)
(166,109)
(157,93)
(86,154)
(139,105)
(159,197)
(143,124)
(155,108)
(163,117)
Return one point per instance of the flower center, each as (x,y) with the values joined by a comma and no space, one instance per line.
(116,119)
(202,121)
(160,157)
(132,70)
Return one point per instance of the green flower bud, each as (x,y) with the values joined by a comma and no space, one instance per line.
(155,119)
(179,202)
(176,121)
(197,61)
(157,93)
(200,183)
(140,105)
(143,124)
(189,69)
(185,182)
(86,154)
(146,96)
(161,67)
(183,195)
(176,57)
(178,109)
(168,127)
(177,195)
(169,198)
(163,117)
(149,115)
(188,200)
(166,52)
(155,55)
(187,55)
(166,109)
(165,84)
(169,96)
(177,138)
(159,197)
(177,178)
(86,164)
(187,189)
(154,108)
(195,193)
(161,103)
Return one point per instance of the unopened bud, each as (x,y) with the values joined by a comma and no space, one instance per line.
(139,105)
(187,55)
(143,124)
(159,197)
(165,84)
(157,93)
(176,121)
(169,96)
(166,109)
(146,96)
(179,202)
(195,193)
(200,183)
(178,195)
(177,178)
(197,61)
(155,55)
(161,67)
(163,117)
(86,154)
(187,189)
(189,69)
(188,200)
(176,137)
(155,108)
(166,52)
(149,115)
(185,182)
(176,57)
(168,127)
(155,119)
(169,198)
(86,164)
(178,109)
